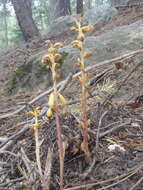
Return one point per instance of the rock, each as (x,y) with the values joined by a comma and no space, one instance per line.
(32,75)
(109,45)
(98,15)
(94,16)
(60,27)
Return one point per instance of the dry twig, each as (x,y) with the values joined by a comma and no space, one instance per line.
(98,130)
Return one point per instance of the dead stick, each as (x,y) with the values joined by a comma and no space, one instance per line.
(98,130)
(137,183)
(113,129)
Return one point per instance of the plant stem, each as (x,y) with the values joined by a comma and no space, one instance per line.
(84,107)
(60,147)
(38,152)
(58,127)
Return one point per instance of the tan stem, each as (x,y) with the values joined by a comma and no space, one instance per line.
(58,127)
(38,152)
(84,107)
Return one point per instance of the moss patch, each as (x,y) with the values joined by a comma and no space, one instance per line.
(31,76)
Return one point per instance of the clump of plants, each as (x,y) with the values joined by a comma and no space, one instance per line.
(57,103)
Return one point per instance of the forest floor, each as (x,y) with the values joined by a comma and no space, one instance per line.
(118,119)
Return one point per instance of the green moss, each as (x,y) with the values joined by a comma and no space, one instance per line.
(28,76)
(64,55)
(23,74)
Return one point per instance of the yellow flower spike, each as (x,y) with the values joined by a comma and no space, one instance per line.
(52,50)
(58,45)
(62,99)
(49,113)
(87,28)
(74,29)
(87,54)
(57,57)
(51,100)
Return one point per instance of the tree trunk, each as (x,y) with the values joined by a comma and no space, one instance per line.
(64,8)
(89,3)
(5,22)
(23,13)
(79,6)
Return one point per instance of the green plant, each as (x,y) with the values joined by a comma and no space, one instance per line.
(56,101)
(83,78)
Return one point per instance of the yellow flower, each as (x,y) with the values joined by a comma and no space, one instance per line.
(58,45)
(49,113)
(57,57)
(62,99)
(74,29)
(52,50)
(35,125)
(87,28)
(51,100)
(45,59)
(76,44)
(87,54)
(35,112)
(49,43)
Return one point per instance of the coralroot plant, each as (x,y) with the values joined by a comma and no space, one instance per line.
(83,78)
(36,114)
(56,101)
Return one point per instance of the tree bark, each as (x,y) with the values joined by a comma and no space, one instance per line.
(63,8)
(79,6)
(89,3)
(23,13)
(5,22)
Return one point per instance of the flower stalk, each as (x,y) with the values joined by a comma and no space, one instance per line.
(83,78)
(56,100)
